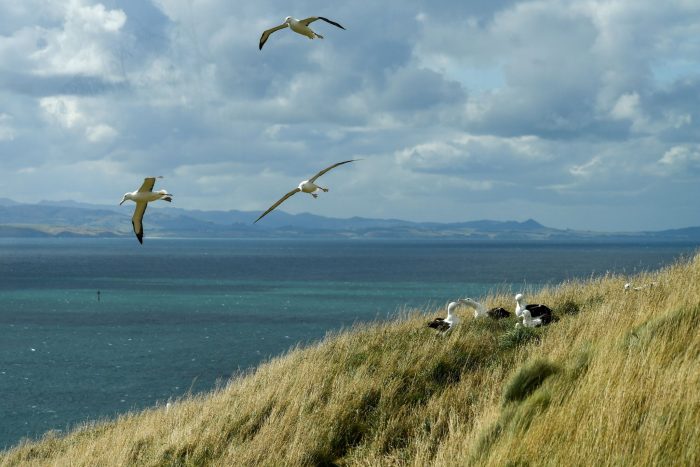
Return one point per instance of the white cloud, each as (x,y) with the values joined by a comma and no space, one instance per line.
(62,110)
(100,133)
(73,37)
(681,159)
(587,169)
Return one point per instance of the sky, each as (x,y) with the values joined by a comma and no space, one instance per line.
(579,114)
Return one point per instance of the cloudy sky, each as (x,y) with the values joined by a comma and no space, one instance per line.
(580,114)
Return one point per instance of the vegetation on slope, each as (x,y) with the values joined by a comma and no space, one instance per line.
(614,381)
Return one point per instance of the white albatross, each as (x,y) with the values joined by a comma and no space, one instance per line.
(300,26)
(533,315)
(529,321)
(142,197)
(307,186)
(445,324)
(480,310)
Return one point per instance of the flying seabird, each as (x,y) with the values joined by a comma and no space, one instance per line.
(142,197)
(481,311)
(445,324)
(307,186)
(300,26)
(535,311)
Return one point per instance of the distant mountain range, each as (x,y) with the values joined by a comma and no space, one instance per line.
(70,218)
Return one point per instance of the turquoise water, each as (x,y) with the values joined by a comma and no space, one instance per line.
(181,315)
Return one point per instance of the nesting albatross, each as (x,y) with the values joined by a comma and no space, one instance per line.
(445,324)
(530,322)
(534,314)
(307,186)
(142,197)
(300,26)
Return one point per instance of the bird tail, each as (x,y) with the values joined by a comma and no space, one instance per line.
(168,199)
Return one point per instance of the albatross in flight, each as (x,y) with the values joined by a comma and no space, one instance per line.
(307,186)
(300,26)
(142,197)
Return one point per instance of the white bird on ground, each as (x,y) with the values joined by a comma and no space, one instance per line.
(142,197)
(629,287)
(536,310)
(307,186)
(300,26)
(445,324)
(529,321)
(480,310)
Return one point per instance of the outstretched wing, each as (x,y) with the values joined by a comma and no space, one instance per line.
(308,21)
(313,179)
(282,200)
(137,220)
(148,184)
(267,33)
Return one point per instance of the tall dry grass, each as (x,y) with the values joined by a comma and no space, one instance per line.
(615,381)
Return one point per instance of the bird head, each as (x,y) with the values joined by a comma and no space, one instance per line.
(126,196)
(287,20)
(518,297)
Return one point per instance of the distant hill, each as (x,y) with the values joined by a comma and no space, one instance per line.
(71,218)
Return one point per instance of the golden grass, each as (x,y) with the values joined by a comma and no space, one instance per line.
(615,383)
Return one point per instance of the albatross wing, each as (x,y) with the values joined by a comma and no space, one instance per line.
(440,324)
(313,179)
(267,33)
(537,310)
(148,184)
(310,20)
(282,200)
(137,219)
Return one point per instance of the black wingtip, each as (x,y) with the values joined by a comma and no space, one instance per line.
(331,22)
(140,239)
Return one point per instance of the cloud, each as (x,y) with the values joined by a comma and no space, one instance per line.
(100,133)
(500,109)
(682,159)
(62,110)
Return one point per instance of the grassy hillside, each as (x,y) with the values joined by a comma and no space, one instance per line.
(615,381)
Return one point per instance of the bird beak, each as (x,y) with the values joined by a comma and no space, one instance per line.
(122,202)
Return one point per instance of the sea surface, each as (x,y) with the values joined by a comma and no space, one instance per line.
(183,315)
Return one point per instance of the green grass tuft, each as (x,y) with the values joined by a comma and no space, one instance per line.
(528,379)
(517,337)
(569,307)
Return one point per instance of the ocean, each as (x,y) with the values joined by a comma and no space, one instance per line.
(183,315)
